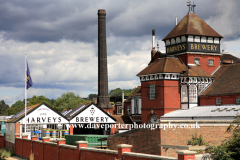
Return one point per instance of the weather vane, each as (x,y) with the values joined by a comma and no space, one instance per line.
(191,6)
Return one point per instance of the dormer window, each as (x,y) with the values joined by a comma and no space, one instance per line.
(197,39)
(190,38)
(216,40)
(172,41)
(183,39)
(167,42)
(203,40)
(197,61)
(210,40)
(178,40)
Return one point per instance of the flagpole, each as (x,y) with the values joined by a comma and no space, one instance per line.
(25,92)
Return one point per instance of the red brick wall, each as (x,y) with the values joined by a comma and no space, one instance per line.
(37,150)
(17,128)
(18,147)
(167,98)
(181,136)
(9,145)
(211,100)
(68,154)
(53,154)
(2,141)
(189,59)
(26,148)
(142,141)
(90,155)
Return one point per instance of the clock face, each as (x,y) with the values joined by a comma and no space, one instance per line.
(153,119)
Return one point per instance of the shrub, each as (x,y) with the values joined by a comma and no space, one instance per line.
(230,148)
(197,140)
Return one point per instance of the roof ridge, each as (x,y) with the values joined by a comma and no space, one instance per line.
(187,22)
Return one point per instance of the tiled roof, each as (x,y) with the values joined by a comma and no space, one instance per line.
(228,58)
(21,114)
(195,71)
(122,119)
(206,111)
(227,81)
(192,24)
(137,92)
(164,65)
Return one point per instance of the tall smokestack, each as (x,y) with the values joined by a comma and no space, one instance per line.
(103,100)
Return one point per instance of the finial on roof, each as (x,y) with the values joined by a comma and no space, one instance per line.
(191,6)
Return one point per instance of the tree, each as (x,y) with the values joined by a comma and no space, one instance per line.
(118,92)
(68,101)
(39,99)
(91,96)
(19,103)
(230,148)
(3,107)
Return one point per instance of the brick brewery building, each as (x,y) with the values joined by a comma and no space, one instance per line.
(193,72)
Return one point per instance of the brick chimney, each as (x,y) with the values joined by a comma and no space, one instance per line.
(103,100)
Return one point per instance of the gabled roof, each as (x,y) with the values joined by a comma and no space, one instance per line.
(30,109)
(195,71)
(226,81)
(21,114)
(137,92)
(192,24)
(81,108)
(228,58)
(164,65)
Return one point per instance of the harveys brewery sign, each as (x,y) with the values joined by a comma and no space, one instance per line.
(44,115)
(92,114)
(193,47)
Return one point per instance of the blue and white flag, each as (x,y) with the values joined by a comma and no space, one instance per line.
(29,79)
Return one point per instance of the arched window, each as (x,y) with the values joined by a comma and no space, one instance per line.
(192,93)
(152,93)
(184,94)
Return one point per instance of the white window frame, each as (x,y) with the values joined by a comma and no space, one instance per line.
(200,87)
(136,105)
(197,61)
(184,94)
(218,101)
(119,109)
(152,91)
(192,93)
(211,61)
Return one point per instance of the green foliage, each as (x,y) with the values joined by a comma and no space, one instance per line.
(5,153)
(17,104)
(230,148)
(3,107)
(68,101)
(91,96)
(118,92)
(197,140)
(39,99)
(14,110)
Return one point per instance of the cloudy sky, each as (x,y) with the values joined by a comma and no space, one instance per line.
(60,40)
